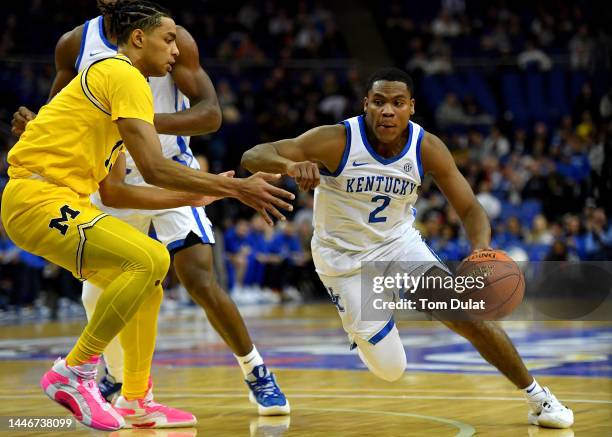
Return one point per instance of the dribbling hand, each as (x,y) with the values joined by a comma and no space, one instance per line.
(263,197)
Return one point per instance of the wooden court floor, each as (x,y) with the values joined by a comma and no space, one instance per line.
(446,391)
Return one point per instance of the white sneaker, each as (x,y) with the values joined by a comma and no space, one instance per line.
(549,412)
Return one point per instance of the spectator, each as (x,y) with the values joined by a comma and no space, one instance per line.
(581,49)
(540,233)
(558,252)
(445,25)
(598,238)
(287,248)
(574,238)
(605,105)
(490,203)
(496,143)
(532,56)
(450,113)
(10,270)
(585,102)
(238,252)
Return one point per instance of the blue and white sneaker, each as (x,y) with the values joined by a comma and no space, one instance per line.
(109,388)
(265,393)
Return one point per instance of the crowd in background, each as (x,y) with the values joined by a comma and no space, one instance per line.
(521,96)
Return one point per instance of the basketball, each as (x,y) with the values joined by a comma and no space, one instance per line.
(504,283)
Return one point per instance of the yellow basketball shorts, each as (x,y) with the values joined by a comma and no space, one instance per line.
(53,222)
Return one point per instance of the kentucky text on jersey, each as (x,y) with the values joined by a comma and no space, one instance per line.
(380,184)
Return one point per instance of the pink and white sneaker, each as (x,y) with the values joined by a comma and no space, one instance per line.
(75,388)
(146,413)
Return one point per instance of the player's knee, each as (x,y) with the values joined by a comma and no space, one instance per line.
(153,260)
(386,359)
(392,370)
(161,261)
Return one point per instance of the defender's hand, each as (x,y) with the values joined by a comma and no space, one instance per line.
(305,173)
(20,120)
(257,193)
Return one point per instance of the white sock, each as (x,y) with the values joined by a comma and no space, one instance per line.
(534,391)
(249,361)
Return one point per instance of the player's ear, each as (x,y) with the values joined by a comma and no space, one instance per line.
(411,106)
(137,38)
(365,104)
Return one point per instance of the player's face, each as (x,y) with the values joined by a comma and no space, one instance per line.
(388,108)
(160,49)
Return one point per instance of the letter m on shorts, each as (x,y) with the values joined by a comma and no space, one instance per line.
(59,223)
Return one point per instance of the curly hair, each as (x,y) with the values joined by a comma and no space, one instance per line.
(127,15)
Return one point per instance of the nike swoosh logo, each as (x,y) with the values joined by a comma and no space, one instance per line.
(95,53)
(247,362)
(359,164)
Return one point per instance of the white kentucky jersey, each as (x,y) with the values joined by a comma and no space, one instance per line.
(367,203)
(167,97)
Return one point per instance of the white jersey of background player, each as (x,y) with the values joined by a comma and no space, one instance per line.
(366,172)
(185,230)
(169,225)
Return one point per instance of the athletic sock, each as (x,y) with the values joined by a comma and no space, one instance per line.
(248,362)
(534,392)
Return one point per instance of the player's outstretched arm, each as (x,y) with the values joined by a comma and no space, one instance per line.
(300,157)
(115,193)
(438,161)
(143,144)
(204,116)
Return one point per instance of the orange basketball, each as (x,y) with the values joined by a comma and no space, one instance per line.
(504,283)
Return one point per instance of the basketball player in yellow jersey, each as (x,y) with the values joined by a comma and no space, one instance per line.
(59,161)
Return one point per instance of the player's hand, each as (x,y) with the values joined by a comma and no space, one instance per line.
(263,197)
(479,250)
(198,200)
(483,249)
(20,120)
(305,173)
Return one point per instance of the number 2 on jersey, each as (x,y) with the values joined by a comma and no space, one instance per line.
(385,202)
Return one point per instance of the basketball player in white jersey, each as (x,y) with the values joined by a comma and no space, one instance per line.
(366,172)
(185,104)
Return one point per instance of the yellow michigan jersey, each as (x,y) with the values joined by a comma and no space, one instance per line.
(59,161)
(74,140)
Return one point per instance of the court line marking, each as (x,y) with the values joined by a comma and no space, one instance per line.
(425,397)
(465,429)
(324,396)
(385,390)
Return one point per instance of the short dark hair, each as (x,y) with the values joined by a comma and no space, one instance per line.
(391,74)
(127,15)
